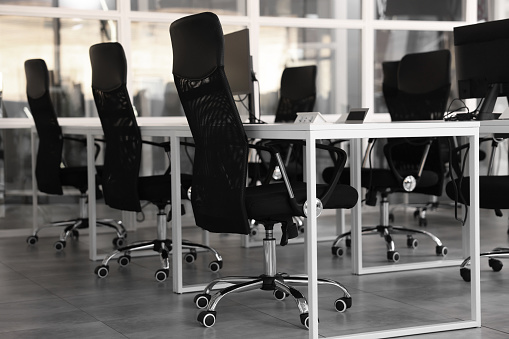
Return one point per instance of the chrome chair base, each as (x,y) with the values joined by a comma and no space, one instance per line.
(278,283)
(72,226)
(494,262)
(385,230)
(161,245)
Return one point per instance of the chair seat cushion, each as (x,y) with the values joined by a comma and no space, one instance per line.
(492,191)
(269,201)
(74,177)
(382,179)
(157,188)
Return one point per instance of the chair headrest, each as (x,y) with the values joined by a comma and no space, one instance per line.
(37,78)
(298,82)
(424,72)
(197,42)
(109,66)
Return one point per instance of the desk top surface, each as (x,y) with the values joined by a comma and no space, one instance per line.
(159,126)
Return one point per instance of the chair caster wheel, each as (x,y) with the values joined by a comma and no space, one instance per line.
(465,274)
(441,250)
(495,264)
(412,243)
(348,242)
(118,242)
(337,251)
(393,256)
(102,271)
(59,245)
(342,304)
(162,274)
(253,232)
(124,260)
(32,240)
(215,266)
(304,319)
(279,295)
(202,300)
(190,257)
(207,318)
(75,235)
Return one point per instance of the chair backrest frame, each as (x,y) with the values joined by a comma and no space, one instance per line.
(297,92)
(221,145)
(49,153)
(122,158)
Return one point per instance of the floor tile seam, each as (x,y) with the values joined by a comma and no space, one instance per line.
(415,306)
(494,329)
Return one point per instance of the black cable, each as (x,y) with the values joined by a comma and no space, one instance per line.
(457,187)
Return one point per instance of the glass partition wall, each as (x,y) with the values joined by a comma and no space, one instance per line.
(347,40)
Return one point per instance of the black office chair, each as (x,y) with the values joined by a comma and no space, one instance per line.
(123,187)
(492,195)
(296,94)
(221,201)
(50,170)
(415,88)
(423,99)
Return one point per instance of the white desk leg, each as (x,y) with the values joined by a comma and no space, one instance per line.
(176,219)
(355,181)
(311,237)
(473,225)
(35,200)
(91,198)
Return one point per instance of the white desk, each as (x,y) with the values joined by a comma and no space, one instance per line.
(176,128)
(311,133)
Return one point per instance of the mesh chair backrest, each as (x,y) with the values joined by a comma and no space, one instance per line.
(417,88)
(49,153)
(123,139)
(221,146)
(390,85)
(297,93)
(424,84)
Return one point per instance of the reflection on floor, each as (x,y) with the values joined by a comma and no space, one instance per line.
(44,294)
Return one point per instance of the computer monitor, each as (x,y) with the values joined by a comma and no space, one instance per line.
(482,63)
(238,66)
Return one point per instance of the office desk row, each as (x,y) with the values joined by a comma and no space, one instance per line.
(176,128)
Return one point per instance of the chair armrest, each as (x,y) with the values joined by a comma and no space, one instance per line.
(276,159)
(339,164)
(272,163)
(166,145)
(84,142)
(388,149)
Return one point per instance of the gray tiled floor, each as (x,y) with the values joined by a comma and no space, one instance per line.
(44,294)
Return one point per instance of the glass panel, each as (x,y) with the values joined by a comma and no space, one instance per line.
(220,7)
(393,45)
(311,9)
(432,10)
(105,5)
(282,47)
(63,44)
